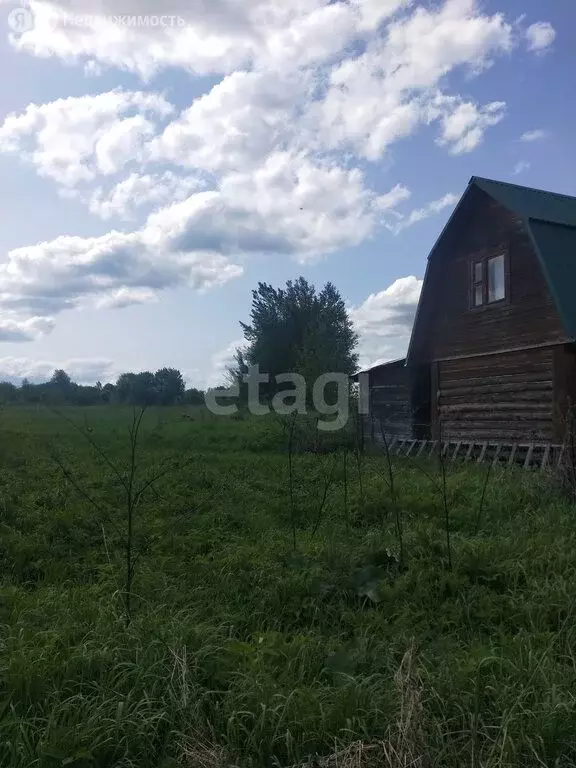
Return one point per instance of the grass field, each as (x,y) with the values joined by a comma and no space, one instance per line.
(243,650)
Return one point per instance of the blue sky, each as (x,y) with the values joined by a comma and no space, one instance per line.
(153,170)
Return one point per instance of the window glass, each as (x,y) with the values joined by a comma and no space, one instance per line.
(478,272)
(496,278)
(478,297)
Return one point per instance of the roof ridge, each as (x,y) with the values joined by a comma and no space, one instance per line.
(381,365)
(521,186)
(551,222)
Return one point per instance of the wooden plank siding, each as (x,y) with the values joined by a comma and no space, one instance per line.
(564,390)
(449,326)
(527,316)
(390,407)
(503,371)
(497,397)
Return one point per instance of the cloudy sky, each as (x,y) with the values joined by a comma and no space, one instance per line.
(158,158)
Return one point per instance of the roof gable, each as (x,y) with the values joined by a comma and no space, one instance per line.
(550,221)
(530,203)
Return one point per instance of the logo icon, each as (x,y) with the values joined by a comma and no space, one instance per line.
(21,20)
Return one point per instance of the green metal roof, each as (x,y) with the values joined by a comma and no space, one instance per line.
(530,203)
(555,245)
(550,221)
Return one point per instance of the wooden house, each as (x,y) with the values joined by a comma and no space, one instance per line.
(492,354)
(388,400)
(395,403)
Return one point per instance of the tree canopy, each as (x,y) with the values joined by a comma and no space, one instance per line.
(298,329)
(165,387)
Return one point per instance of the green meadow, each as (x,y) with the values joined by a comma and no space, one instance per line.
(242,592)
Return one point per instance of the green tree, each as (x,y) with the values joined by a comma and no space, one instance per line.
(169,385)
(61,380)
(107,393)
(58,390)
(8,392)
(137,388)
(298,329)
(145,388)
(194,396)
(236,373)
(125,387)
(84,395)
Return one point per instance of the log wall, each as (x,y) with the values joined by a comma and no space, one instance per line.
(506,396)
(390,406)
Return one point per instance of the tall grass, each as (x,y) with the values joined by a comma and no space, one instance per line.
(242,651)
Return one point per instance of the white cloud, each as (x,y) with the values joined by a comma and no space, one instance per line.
(81,370)
(292,205)
(137,191)
(373,12)
(391,199)
(212,36)
(126,297)
(250,167)
(219,36)
(73,139)
(215,40)
(384,321)
(220,363)
(312,35)
(121,143)
(520,167)
(49,277)
(382,95)
(232,127)
(535,135)
(463,128)
(289,206)
(16,329)
(366,102)
(540,36)
(419,214)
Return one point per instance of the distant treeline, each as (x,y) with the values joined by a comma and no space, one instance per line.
(165,387)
